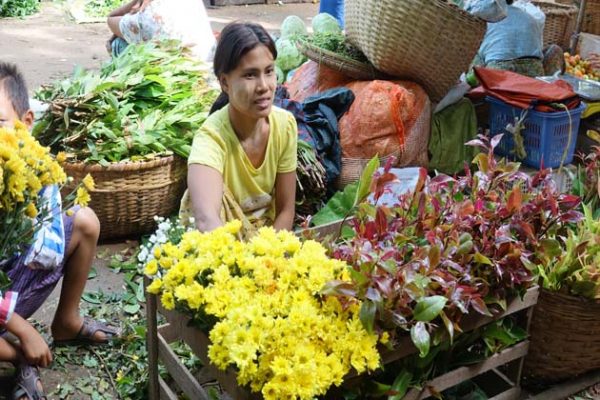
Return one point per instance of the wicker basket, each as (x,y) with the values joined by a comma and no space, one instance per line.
(128,195)
(430,42)
(591,18)
(352,168)
(565,338)
(347,66)
(560,22)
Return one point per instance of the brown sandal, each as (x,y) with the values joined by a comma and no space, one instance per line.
(85,336)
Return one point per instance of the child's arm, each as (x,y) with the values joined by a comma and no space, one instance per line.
(34,347)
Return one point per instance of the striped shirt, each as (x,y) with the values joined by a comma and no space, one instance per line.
(7,306)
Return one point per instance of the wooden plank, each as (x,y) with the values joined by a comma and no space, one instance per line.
(563,390)
(469,323)
(510,394)
(168,332)
(462,374)
(165,391)
(199,343)
(180,374)
(152,344)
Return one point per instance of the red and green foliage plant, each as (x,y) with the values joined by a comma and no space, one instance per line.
(451,247)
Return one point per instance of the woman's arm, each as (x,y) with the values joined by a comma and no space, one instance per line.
(206,192)
(285,200)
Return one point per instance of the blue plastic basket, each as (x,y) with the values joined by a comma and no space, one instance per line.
(546,134)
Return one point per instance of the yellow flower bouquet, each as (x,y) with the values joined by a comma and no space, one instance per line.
(25,168)
(261,303)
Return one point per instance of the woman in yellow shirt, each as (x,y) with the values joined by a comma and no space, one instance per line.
(249,146)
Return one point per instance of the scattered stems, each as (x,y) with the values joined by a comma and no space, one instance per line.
(108,372)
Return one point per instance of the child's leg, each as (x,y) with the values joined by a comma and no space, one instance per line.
(79,256)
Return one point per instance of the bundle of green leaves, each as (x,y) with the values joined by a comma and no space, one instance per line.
(576,270)
(451,247)
(18,8)
(147,102)
(336,42)
(586,181)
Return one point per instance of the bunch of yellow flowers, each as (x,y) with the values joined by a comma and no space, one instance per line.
(25,168)
(283,336)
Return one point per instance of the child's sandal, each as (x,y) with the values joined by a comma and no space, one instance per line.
(27,384)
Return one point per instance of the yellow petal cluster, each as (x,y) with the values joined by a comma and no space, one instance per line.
(25,167)
(274,327)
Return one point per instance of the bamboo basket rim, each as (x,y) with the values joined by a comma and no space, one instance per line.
(555,8)
(570,297)
(348,66)
(120,166)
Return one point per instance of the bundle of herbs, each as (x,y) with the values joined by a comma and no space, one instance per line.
(336,43)
(145,103)
(310,181)
(451,247)
(586,183)
(576,270)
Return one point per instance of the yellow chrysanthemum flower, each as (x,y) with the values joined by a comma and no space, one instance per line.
(83,197)
(31,211)
(88,182)
(282,336)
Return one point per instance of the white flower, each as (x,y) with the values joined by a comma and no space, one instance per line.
(161,237)
(143,255)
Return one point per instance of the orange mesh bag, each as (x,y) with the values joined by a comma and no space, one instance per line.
(386,119)
(312,78)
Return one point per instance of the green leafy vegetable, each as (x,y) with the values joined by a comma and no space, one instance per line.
(148,101)
(325,23)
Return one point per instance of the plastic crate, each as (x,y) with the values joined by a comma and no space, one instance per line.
(545,135)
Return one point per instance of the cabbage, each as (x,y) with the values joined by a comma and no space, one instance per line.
(325,23)
(292,27)
(288,55)
(280,75)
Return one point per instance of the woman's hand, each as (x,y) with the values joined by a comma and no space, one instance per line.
(206,192)
(285,200)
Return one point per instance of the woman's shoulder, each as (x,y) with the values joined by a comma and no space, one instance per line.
(284,119)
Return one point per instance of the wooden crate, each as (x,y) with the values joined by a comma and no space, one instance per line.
(176,328)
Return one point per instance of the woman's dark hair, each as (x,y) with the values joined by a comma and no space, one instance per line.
(237,39)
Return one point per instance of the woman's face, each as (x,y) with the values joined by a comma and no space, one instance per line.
(251,85)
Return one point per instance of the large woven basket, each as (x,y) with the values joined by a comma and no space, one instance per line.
(128,195)
(560,22)
(565,338)
(347,66)
(430,42)
(591,17)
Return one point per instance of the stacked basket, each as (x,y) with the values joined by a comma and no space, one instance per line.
(128,195)
(560,22)
(430,42)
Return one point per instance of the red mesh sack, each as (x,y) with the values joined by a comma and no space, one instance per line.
(312,78)
(386,119)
